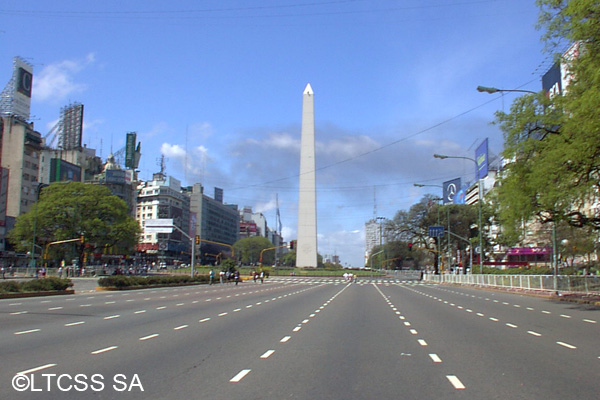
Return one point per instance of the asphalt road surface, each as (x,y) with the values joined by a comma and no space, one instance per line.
(299,338)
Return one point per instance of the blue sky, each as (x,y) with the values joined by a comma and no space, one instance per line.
(216,86)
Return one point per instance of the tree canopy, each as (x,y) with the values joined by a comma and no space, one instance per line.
(70,210)
(553,143)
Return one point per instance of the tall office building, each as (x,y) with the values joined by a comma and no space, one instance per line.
(306,248)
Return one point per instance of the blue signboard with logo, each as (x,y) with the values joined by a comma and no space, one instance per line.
(450,190)
(481,157)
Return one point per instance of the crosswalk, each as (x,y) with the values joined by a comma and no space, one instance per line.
(340,280)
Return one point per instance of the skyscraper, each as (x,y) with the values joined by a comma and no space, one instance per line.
(306,248)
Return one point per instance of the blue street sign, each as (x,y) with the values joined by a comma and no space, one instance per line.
(436,231)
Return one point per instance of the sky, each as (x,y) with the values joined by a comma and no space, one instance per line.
(216,87)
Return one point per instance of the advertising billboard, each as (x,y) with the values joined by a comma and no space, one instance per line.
(450,190)
(130,150)
(552,81)
(61,171)
(16,96)
(481,157)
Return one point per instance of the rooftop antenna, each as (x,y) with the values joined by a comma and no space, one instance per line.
(278,214)
(374,203)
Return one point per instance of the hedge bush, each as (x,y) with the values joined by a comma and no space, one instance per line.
(124,281)
(35,285)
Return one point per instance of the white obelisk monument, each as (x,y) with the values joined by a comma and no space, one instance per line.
(306,247)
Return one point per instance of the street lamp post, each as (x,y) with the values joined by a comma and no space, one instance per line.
(479,201)
(38,188)
(492,90)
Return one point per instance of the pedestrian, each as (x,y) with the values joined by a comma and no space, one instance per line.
(60,271)
(262,276)
(211,276)
(236,277)
(3,272)
(221,276)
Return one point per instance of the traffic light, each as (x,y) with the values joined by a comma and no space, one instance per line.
(410,247)
(81,239)
(292,244)
(197,239)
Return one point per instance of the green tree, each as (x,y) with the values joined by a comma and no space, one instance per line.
(71,210)
(249,250)
(553,144)
(412,226)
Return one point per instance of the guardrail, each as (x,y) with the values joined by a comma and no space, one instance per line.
(564,283)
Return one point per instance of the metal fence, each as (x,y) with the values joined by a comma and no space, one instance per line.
(564,283)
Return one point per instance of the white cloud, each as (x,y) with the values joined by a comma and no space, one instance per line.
(193,162)
(56,82)
(266,206)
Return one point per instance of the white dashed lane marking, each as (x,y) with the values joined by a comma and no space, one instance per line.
(36,369)
(240,375)
(104,350)
(455,382)
(267,354)
(26,332)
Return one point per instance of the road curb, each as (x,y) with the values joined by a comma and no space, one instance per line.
(36,294)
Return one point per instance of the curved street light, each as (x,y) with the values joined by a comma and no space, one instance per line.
(480,200)
(492,90)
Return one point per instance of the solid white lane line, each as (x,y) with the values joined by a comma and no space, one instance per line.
(455,382)
(534,333)
(112,316)
(204,320)
(285,339)
(567,345)
(104,350)
(35,369)
(267,354)
(140,312)
(180,327)
(240,376)
(149,337)
(435,358)
(25,332)
(75,323)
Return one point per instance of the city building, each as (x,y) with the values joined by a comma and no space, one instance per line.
(163,198)
(120,182)
(373,237)
(214,223)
